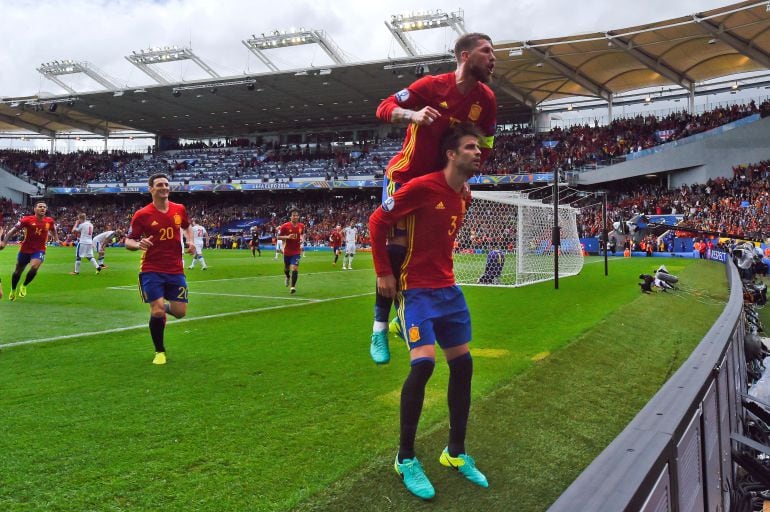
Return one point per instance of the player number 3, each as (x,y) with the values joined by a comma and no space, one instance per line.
(453,226)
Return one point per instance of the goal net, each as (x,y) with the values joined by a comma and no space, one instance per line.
(506,241)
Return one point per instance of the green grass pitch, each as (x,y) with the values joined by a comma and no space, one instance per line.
(270,401)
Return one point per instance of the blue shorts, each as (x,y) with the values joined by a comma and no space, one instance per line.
(291,260)
(156,285)
(430,315)
(23,258)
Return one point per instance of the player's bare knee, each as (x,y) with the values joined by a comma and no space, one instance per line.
(177,309)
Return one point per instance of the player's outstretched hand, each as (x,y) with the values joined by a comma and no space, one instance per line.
(190,248)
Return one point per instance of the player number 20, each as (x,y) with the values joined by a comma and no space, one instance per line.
(182,292)
(166,233)
(453,225)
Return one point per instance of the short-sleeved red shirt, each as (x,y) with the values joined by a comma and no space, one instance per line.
(165,255)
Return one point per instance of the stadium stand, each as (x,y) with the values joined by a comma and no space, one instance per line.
(517,152)
(739,205)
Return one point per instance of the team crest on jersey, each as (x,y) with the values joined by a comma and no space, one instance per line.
(402,95)
(47,226)
(414,334)
(178,219)
(475,112)
(388,204)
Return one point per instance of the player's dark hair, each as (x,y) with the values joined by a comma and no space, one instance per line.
(468,42)
(154,177)
(39,202)
(292,212)
(451,140)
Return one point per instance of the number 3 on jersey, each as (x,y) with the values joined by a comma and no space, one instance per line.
(453,225)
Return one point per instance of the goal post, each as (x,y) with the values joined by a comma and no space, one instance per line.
(506,241)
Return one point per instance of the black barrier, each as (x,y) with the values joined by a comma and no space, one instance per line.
(676,453)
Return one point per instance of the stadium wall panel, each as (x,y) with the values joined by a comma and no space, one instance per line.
(14,188)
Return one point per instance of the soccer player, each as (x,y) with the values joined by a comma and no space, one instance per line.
(335,242)
(431,307)
(278,244)
(293,233)
(200,237)
(430,107)
(84,230)
(351,237)
(32,251)
(156,229)
(254,242)
(101,241)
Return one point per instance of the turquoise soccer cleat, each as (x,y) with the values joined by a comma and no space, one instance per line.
(379,349)
(414,478)
(465,465)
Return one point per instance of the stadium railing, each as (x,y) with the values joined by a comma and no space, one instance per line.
(676,453)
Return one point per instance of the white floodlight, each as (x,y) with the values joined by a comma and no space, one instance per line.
(144,59)
(282,39)
(399,24)
(52,70)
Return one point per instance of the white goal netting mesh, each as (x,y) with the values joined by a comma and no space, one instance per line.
(506,241)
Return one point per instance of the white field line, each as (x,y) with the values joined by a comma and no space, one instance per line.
(193,319)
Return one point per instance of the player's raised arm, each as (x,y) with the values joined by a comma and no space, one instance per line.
(407,106)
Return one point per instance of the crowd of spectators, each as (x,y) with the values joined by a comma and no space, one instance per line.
(524,152)
(319,212)
(738,206)
(63,169)
(516,152)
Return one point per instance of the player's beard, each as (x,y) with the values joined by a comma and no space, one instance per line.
(481,74)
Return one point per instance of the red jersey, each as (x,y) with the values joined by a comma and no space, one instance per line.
(335,239)
(292,246)
(420,152)
(433,213)
(35,233)
(165,255)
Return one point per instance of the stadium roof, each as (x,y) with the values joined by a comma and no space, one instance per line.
(683,51)
(335,97)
